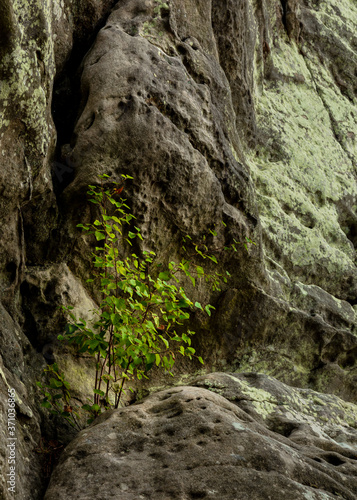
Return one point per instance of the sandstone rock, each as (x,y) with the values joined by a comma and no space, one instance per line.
(17,367)
(307,205)
(168,114)
(304,89)
(190,102)
(262,440)
(238,111)
(28,208)
(45,289)
(26,138)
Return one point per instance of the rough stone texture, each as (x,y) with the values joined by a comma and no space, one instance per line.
(305,170)
(286,63)
(35,40)
(27,136)
(164,116)
(44,289)
(167,113)
(195,101)
(232,110)
(248,437)
(303,166)
(16,371)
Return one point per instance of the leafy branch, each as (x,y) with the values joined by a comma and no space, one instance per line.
(142,319)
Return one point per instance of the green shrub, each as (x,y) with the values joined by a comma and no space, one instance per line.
(142,320)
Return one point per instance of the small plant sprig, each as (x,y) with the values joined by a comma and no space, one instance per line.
(201,248)
(57,396)
(140,322)
(160,5)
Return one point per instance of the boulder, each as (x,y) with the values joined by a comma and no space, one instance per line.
(227,436)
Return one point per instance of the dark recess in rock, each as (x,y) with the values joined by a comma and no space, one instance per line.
(67,96)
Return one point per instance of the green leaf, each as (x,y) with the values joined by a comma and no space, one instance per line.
(164,341)
(98,391)
(183,303)
(150,360)
(55,384)
(116,319)
(198,305)
(71,328)
(200,270)
(208,308)
(111,286)
(164,276)
(99,235)
(119,303)
(93,344)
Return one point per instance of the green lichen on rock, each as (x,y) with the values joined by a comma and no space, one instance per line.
(271,399)
(160,6)
(28,66)
(304,169)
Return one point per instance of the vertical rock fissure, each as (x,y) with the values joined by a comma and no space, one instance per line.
(284,14)
(66,103)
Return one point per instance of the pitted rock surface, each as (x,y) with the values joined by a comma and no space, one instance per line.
(194,111)
(222,110)
(189,442)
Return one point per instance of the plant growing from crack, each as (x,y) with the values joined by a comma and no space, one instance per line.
(141,320)
(160,5)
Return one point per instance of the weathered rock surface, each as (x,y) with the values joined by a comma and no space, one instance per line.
(230,110)
(247,437)
(190,107)
(36,39)
(16,372)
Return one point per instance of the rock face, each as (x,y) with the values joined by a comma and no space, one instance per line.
(36,39)
(231,111)
(247,437)
(238,118)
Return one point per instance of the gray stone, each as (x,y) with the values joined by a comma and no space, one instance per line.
(262,440)
(30,34)
(238,111)
(17,367)
(189,111)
